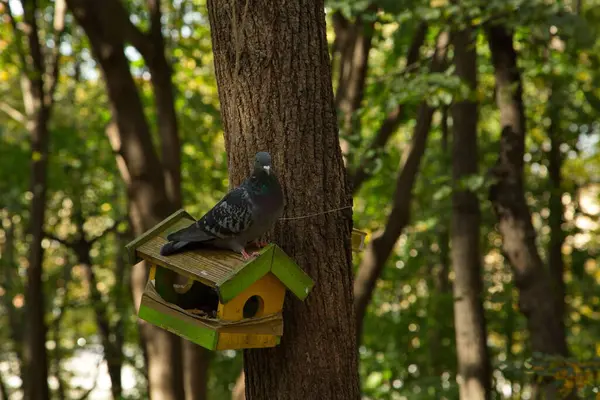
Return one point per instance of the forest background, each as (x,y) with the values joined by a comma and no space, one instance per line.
(470,136)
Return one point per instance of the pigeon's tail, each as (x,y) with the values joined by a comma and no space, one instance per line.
(172,247)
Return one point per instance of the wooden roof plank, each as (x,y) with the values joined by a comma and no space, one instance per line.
(208,265)
(240,279)
(149,234)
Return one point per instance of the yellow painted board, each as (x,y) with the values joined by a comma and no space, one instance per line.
(235,341)
(268,288)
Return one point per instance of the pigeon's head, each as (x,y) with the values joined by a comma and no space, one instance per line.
(262,162)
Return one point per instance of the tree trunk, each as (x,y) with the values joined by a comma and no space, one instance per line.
(3,390)
(142,171)
(112,354)
(556,262)
(439,307)
(36,362)
(9,273)
(161,74)
(274,78)
(195,358)
(57,354)
(354,41)
(382,245)
(469,321)
(196,361)
(38,104)
(239,389)
(536,300)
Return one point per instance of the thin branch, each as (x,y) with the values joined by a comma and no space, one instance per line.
(131,33)
(13,112)
(420,63)
(392,120)
(87,393)
(67,243)
(161,76)
(3,389)
(155,16)
(381,246)
(35,49)
(119,25)
(60,9)
(106,231)
(17,32)
(55,327)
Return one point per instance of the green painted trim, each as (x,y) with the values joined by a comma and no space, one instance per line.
(205,337)
(149,234)
(246,275)
(290,274)
(278,340)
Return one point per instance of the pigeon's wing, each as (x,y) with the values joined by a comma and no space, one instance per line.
(229,218)
(192,233)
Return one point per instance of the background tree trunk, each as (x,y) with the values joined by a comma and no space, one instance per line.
(141,169)
(556,264)
(469,321)
(536,299)
(110,336)
(353,43)
(274,78)
(39,80)
(382,245)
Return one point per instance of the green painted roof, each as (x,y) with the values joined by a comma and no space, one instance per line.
(225,270)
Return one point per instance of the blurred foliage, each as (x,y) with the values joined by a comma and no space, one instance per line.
(408,349)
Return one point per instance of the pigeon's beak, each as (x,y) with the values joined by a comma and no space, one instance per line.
(267,168)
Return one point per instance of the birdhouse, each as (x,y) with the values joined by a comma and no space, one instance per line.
(214,297)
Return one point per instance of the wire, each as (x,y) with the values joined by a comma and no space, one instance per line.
(315,214)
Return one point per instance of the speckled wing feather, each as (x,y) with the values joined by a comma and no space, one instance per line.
(228,218)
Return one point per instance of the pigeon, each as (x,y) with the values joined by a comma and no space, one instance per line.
(243,215)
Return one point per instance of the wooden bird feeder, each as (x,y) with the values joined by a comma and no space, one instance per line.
(214,297)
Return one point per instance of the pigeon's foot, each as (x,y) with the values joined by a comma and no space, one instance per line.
(260,244)
(249,256)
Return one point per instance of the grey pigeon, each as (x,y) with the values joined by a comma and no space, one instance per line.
(243,215)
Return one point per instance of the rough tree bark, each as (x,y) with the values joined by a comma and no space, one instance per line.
(382,245)
(140,168)
(536,300)
(274,78)
(351,46)
(474,367)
